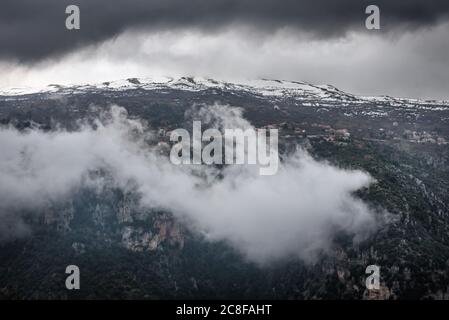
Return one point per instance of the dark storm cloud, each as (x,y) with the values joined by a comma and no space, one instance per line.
(33,30)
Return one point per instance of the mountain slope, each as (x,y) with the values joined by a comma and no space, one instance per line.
(125,251)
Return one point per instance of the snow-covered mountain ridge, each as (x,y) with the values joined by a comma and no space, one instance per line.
(264,87)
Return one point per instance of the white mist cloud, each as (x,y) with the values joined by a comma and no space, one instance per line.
(295,213)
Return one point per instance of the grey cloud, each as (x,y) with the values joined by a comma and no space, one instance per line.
(34,30)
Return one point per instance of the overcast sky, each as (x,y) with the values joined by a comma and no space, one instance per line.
(317,41)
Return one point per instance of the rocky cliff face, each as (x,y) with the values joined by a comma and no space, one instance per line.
(164,230)
(120,221)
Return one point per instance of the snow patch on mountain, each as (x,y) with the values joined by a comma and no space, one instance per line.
(264,87)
